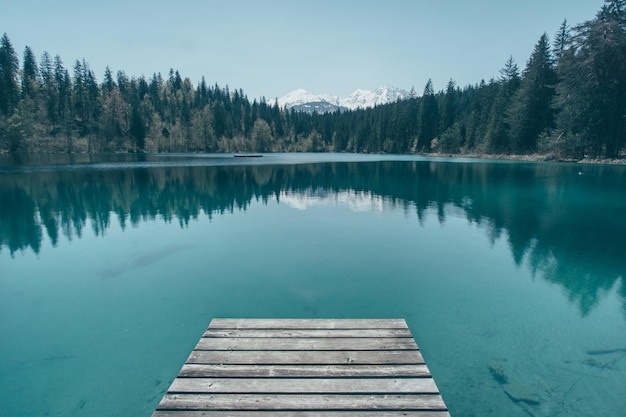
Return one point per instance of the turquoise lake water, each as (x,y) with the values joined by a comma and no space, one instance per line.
(510,275)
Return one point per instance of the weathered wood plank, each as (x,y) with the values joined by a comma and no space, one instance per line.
(304,386)
(308,333)
(363,413)
(308,324)
(304,368)
(397,357)
(300,402)
(317,413)
(312,371)
(350,343)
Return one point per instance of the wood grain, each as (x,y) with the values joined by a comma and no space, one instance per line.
(304,368)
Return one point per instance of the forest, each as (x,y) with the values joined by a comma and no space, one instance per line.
(568,102)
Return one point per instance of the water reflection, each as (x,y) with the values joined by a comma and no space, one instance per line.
(568,223)
(356,201)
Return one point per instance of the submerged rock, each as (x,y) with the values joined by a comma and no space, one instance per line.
(497,372)
(519,392)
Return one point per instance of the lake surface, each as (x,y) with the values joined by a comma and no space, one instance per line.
(510,275)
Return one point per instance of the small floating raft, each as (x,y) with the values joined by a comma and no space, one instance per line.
(248,155)
(293,367)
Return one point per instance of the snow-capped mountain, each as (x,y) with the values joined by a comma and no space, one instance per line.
(303,100)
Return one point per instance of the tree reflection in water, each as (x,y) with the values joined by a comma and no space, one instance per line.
(568,222)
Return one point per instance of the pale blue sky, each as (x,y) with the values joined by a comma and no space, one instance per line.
(268,48)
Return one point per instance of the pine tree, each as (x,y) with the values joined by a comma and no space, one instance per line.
(407,126)
(614,10)
(137,130)
(219,119)
(531,112)
(30,74)
(9,67)
(428,117)
(79,96)
(123,85)
(592,92)
(63,96)
(448,111)
(155,90)
(497,138)
(48,88)
(108,84)
(202,94)
(561,40)
(509,75)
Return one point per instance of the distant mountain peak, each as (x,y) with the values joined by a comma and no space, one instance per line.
(298,96)
(304,100)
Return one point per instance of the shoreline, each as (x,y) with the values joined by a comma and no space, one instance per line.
(532,158)
(550,158)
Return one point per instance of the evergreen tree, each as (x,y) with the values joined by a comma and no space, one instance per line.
(479,111)
(49,92)
(592,92)
(9,67)
(219,119)
(561,40)
(509,75)
(497,138)
(80,96)
(86,100)
(30,73)
(531,112)
(63,96)
(123,85)
(108,84)
(614,10)
(46,69)
(428,118)
(277,122)
(448,111)
(202,94)
(137,129)
(407,125)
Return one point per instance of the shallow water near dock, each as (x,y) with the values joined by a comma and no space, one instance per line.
(510,275)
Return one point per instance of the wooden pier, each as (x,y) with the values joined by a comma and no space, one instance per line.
(304,368)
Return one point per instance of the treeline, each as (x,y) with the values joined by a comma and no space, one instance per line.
(569,101)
